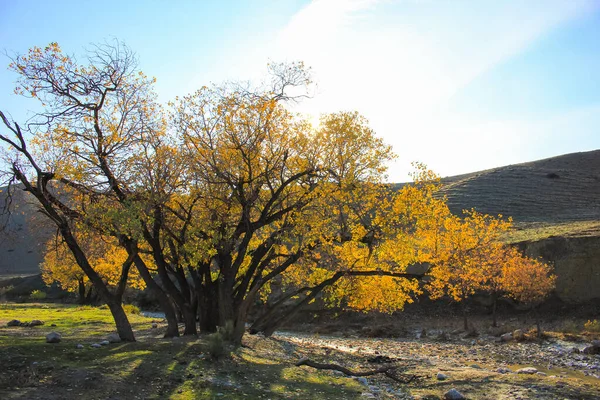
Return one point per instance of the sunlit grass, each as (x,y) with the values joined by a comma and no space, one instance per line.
(152,368)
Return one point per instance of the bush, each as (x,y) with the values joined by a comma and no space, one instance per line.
(131,309)
(37,295)
(227,331)
(215,345)
(571,327)
(592,326)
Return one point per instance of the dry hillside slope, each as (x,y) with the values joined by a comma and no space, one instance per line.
(555,190)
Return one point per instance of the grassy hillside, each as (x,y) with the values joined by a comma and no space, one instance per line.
(558,196)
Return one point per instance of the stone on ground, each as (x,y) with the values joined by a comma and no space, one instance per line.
(113,338)
(53,337)
(527,370)
(454,394)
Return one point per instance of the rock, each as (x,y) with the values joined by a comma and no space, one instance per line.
(113,338)
(507,337)
(503,370)
(53,325)
(454,394)
(154,325)
(575,350)
(596,343)
(36,322)
(475,366)
(79,346)
(441,377)
(362,380)
(96,345)
(104,343)
(14,322)
(540,373)
(53,337)
(527,370)
(591,350)
(374,389)
(518,334)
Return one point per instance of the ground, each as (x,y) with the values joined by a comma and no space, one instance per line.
(156,368)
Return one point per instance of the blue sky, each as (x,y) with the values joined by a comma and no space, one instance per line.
(460,85)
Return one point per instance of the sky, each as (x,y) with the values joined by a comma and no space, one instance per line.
(459,85)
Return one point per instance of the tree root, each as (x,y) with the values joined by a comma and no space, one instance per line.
(389,371)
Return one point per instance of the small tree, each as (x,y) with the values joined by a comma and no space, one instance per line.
(528,281)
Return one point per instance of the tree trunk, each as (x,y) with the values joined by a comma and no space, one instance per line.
(189,319)
(121,321)
(81,290)
(163,300)
(208,312)
(465,317)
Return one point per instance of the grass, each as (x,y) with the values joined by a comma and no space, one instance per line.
(151,368)
(539,231)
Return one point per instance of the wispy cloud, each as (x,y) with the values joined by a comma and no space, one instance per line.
(401,62)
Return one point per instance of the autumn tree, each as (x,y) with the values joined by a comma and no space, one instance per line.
(228,193)
(95,118)
(471,258)
(529,282)
(60,266)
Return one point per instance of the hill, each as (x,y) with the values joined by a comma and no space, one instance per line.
(22,236)
(558,196)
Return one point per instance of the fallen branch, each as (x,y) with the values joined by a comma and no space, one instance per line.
(389,371)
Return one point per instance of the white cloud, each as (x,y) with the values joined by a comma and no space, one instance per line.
(400,62)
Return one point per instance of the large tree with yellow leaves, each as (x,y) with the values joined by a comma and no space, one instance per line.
(226,193)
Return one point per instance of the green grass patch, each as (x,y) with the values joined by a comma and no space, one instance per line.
(151,368)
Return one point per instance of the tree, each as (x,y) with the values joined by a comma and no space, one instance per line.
(225,194)
(528,282)
(471,257)
(95,116)
(60,266)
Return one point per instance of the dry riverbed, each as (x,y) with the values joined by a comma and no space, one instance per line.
(264,368)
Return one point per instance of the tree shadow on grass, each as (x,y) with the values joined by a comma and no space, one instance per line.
(156,369)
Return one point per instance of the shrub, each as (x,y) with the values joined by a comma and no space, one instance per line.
(215,345)
(571,327)
(227,331)
(592,326)
(131,309)
(37,295)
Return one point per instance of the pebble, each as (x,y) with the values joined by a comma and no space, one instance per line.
(362,380)
(527,370)
(79,346)
(104,343)
(441,377)
(96,345)
(453,394)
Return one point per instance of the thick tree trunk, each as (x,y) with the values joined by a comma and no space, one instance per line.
(189,319)
(163,300)
(207,311)
(121,321)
